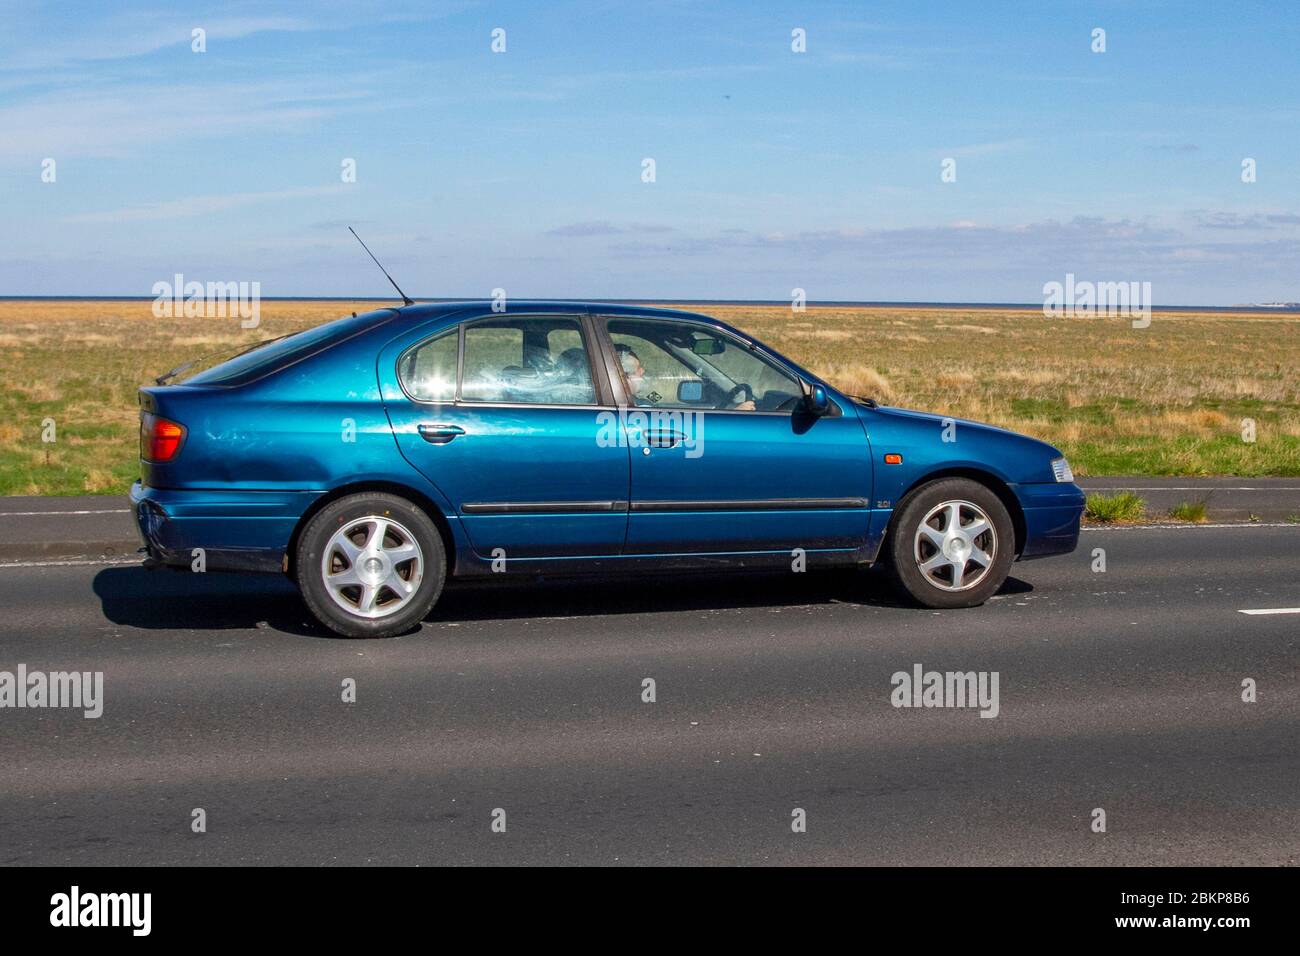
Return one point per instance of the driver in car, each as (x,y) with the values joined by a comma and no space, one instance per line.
(634,372)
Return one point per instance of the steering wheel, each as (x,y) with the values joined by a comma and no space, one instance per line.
(734,394)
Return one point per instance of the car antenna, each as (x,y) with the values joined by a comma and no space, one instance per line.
(406,299)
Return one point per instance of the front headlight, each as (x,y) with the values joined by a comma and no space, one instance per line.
(1061,469)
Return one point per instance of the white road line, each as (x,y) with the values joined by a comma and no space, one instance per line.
(1271,610)
(79,562)
(1189,526)
(1181,488)
(36,514)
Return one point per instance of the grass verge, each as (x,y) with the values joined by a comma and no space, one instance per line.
(1188,511)
(1109,509)
(1177,398)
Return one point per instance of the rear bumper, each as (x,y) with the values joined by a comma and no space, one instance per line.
(236,530)
(1052,514)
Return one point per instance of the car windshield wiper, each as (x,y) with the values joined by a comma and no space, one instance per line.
(869,402)
(165,377)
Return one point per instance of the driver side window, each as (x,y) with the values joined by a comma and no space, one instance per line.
(683,365)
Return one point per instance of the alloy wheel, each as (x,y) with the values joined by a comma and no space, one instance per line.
(955,545)
(372,567)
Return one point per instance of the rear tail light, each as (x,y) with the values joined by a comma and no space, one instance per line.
(160,438)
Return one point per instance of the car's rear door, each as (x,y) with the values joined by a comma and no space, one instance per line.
(503,414)
(710,474)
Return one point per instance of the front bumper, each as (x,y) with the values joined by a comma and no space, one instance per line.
(1052,515)
(235,530)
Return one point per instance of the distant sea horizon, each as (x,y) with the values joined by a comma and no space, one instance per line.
(1289,307)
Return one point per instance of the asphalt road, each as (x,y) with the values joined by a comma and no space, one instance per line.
(1117,690)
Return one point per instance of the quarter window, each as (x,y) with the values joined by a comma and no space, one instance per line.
(428,371)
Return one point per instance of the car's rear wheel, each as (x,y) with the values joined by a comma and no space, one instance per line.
(951,544)
(370,565)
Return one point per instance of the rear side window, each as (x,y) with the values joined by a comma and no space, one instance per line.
(428,371)
(536,361)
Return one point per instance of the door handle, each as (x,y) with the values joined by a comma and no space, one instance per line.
(662,439)
(439,434)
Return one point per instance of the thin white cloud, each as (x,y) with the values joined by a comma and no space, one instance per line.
(201,205)
(133,35)
(886,61)
(132,119)
(985,149)
(123,35)
(603,227)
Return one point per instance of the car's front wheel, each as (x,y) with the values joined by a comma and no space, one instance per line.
(370,565)
(951,544)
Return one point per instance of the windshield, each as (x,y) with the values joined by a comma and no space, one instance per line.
(273,354)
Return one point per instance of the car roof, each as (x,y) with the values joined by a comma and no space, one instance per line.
(432,310)
(457,311)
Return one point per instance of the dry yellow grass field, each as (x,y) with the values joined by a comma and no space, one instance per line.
(1166,400)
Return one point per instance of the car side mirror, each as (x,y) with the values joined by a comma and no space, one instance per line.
(815,399)
(690,392)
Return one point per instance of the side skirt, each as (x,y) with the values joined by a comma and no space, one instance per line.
(472,565)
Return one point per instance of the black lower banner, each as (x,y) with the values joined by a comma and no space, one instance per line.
(335,904)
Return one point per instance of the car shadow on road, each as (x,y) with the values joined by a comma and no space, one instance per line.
(167,600)
(177,600)
(646,594)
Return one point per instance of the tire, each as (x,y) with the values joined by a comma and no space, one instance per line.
(373,589)
(939,567)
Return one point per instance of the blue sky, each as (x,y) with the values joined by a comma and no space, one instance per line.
(774,169)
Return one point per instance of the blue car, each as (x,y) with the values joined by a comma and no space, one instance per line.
(373,457)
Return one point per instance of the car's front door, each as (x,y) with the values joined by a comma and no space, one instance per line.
(503,415)
(724,459)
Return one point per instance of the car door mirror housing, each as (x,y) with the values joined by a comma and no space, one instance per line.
(815,399)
